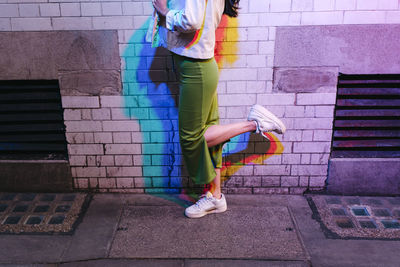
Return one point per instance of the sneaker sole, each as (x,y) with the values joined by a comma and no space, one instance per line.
(261,110)
(199,215)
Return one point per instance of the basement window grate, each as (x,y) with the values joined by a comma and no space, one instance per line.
(31,121)
(367,116)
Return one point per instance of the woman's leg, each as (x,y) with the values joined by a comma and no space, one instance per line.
(215,185)
(217,134)
(198,110)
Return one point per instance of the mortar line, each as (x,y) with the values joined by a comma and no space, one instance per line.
(115,230)
(298,233)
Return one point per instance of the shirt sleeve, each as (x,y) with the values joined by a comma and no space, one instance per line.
(188,19)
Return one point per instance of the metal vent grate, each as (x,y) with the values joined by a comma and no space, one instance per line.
(367,116)
(31,121)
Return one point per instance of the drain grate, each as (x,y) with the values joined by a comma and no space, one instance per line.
(40,213)
(357,217)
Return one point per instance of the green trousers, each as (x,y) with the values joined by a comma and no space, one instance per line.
(198,110)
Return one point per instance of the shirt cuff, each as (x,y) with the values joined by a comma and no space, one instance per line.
(169,19)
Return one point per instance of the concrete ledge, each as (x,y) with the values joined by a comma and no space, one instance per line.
(35,176)
(372,176)
(364,49)
(305,80)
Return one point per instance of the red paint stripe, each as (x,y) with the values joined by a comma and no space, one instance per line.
(193,40)
(220,35)
(252,158)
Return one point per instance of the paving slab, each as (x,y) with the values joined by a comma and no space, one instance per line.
(125,263)
(325,252)
(92,239)
(241,263)
(242,232)
(24,249)
(183,263)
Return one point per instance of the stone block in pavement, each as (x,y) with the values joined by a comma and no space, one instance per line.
(27,249)
(92,239)
(242,232)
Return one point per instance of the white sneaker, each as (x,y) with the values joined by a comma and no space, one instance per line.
(265,120)
(205,205)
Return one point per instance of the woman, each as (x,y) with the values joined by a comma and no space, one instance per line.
(187,29)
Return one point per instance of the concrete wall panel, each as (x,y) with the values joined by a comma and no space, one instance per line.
(355,49)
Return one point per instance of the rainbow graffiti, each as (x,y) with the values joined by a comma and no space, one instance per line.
(233,164)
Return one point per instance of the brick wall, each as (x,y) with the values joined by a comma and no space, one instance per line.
(129,143)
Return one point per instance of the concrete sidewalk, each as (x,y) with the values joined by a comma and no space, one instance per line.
(144,230)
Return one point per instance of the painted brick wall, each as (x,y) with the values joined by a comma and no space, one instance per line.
(129,143)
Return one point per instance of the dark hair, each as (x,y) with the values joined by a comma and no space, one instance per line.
(231,8)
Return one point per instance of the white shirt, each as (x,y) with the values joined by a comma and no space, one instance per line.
(190,27)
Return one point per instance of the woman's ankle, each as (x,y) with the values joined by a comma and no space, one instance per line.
(217,194)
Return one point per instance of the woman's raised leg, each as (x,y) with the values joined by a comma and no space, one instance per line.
(217,134)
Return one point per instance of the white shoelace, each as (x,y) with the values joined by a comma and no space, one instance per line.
(203,199)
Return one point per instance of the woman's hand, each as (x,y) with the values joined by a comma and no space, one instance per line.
(161,7)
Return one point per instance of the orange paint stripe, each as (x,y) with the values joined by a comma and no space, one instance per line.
(230,168)
(194,41)
(198,33)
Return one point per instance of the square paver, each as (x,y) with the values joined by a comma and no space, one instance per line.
(338,212)
(68,198)
(3,207)
(394,200)
(41,208)
(21,208)
(396,213)
(391,224)
(63,208)
(375,202)
(47,198)
(7,197)
(344,223)
(367,224)
(333,200)
(381,212)
(360,211)
(34,220)
(12,220)
(352,201)
(26,197)
(58,219)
